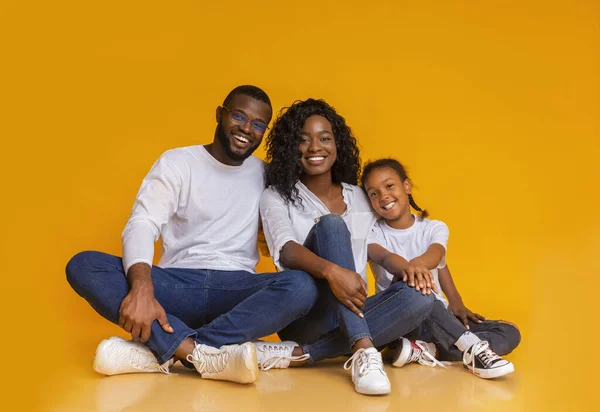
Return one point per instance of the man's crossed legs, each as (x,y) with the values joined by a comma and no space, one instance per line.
(212,308)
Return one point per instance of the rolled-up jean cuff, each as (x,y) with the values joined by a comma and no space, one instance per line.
(317,355)
(356,338)
(171,351)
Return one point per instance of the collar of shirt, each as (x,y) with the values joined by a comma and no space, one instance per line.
(347,194)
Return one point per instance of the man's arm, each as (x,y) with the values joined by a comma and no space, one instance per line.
(140,308)
(155,204)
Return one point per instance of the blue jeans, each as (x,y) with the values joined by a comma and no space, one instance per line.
(330,329)
(444,329)
(213,307)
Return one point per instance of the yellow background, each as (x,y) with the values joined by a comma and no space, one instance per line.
(492,105)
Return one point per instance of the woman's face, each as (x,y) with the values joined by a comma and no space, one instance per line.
(317,146)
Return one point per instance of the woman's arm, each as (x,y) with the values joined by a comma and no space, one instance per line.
(287,252)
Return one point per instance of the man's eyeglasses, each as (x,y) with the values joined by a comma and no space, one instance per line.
(241,119)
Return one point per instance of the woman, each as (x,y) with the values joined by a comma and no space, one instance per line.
(317,220)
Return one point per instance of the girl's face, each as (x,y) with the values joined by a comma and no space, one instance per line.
(388,193)
(317,146)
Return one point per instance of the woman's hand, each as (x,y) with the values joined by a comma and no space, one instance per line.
(348,287)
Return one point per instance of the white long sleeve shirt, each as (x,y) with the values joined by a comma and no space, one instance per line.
(205,211)
(283,223)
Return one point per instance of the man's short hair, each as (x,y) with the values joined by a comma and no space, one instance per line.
(248,90)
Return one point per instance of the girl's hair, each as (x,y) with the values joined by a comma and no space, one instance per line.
(397,167)
(283,168)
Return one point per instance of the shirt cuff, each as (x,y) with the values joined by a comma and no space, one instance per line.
(127,265)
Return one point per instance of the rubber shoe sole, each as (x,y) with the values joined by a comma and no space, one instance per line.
(491,373)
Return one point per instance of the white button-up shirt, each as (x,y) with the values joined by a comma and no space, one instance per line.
(283,223)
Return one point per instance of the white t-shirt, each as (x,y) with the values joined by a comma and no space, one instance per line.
(283,223)
(409,244)
(205,211)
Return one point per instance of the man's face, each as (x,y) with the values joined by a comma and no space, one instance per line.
(241,126)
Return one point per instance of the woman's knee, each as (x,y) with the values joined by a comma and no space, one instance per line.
(332,223)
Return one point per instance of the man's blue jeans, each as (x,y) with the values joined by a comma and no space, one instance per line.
(330,329)
(213,307)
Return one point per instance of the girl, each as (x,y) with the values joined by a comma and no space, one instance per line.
(316,219)
(413,249)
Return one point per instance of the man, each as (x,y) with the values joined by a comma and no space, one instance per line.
(204,302)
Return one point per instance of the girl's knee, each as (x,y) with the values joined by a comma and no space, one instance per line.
(512,336)
(419,302)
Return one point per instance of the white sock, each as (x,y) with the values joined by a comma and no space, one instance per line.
(466,340)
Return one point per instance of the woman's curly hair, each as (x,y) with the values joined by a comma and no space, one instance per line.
(283,168)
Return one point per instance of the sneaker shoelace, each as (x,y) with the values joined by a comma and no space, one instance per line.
(481,350)
(142,361)
(209,360)
(278,356)
(421,354)
(366,362)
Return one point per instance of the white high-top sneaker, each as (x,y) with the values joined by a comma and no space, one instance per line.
(417,351)
(368,374)
(115,356)
(235,363)
(276,355)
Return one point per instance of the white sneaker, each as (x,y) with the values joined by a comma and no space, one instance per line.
(416,351)
(276,355)
(368,374)
(235,363)
(483,362)
(115,356)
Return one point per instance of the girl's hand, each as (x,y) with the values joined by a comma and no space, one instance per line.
(464,314)
(418,276)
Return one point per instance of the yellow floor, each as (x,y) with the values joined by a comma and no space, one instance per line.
(325,386)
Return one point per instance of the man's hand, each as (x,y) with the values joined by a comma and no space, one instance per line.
(418,276)
(463,313)
(348,287)
(137,312)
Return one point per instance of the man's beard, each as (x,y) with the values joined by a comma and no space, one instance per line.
(225,142)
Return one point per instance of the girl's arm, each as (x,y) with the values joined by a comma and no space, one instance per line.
(432,257)
(455,302)
(414,273)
